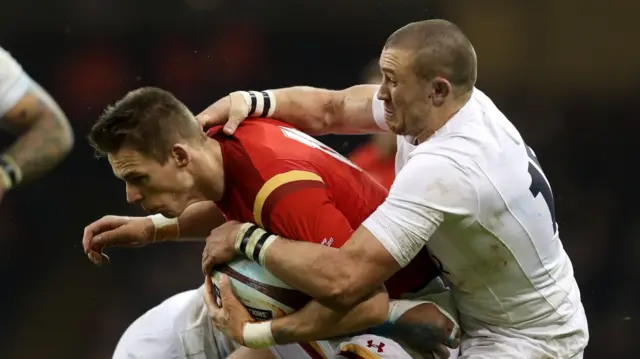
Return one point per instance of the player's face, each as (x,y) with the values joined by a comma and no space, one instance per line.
(406,99)
(159,188)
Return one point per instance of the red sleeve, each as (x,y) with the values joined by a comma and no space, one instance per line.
(297,205)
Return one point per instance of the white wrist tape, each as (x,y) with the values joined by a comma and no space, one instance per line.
(6,181)
(10,172)
(398,307)
(253,242)
(258,335)
(261,104)
(159,221)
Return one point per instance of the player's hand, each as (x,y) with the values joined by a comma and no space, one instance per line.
(231,316)
(229,111)
(427,326)
(220,247)
(115,231)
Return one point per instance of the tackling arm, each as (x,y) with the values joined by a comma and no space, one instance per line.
(319,111)
(338,278)
(313,110)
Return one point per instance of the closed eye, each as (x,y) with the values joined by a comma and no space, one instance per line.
(135,178)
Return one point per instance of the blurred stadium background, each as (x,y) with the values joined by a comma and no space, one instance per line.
(565,72)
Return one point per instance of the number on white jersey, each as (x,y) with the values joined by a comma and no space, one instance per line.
(540,185)
(313,143)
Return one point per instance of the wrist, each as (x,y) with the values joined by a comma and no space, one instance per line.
(258,335)
(253,242)
(164,229)
(261,104)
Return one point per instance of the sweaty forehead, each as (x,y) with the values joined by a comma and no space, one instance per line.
(125,161)
(393,60)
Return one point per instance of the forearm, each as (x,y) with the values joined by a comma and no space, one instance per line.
(338,278)
(194,224)
(317,322)
(311,268)
(47,136)
(320,111)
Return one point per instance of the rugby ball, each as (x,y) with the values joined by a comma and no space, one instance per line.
(265,296)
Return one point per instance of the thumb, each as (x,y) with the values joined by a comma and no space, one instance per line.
(238,111)
(226,292)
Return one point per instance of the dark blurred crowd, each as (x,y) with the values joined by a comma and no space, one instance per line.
(55,304)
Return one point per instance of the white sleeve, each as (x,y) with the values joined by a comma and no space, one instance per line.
(14,82)
(377,107)
(426,191)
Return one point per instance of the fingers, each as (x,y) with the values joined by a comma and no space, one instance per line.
(97,257)
(115,237)
(209,294)
(217,314)
(103,224)
(238,111)
(207,262)
(216,114)
(226,293)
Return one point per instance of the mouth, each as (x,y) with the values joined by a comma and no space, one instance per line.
(388,112)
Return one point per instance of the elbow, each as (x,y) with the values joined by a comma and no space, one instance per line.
(64,133)
(332,109)
(67,139)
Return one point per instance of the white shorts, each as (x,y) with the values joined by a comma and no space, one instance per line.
(357,347)
(563,341)
(177,328)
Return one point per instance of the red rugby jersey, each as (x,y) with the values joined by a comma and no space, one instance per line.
(294,186)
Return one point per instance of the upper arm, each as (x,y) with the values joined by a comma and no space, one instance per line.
(296,204)
(427,190)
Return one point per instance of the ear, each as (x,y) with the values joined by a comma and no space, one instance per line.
(441,90)
(180,155)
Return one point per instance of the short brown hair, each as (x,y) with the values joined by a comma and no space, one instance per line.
(441,49)
(149,120)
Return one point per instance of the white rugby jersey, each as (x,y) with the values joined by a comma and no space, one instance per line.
(14,82)
(476,196)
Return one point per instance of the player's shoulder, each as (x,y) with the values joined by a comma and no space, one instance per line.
(478,129)
(253,132)
(14,82)
(263,144)
(255,127)
(9,67)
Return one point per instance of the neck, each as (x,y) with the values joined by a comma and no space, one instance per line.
(209,171)
(442,115)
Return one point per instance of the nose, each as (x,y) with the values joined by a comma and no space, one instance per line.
(133,194)
(383,92)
